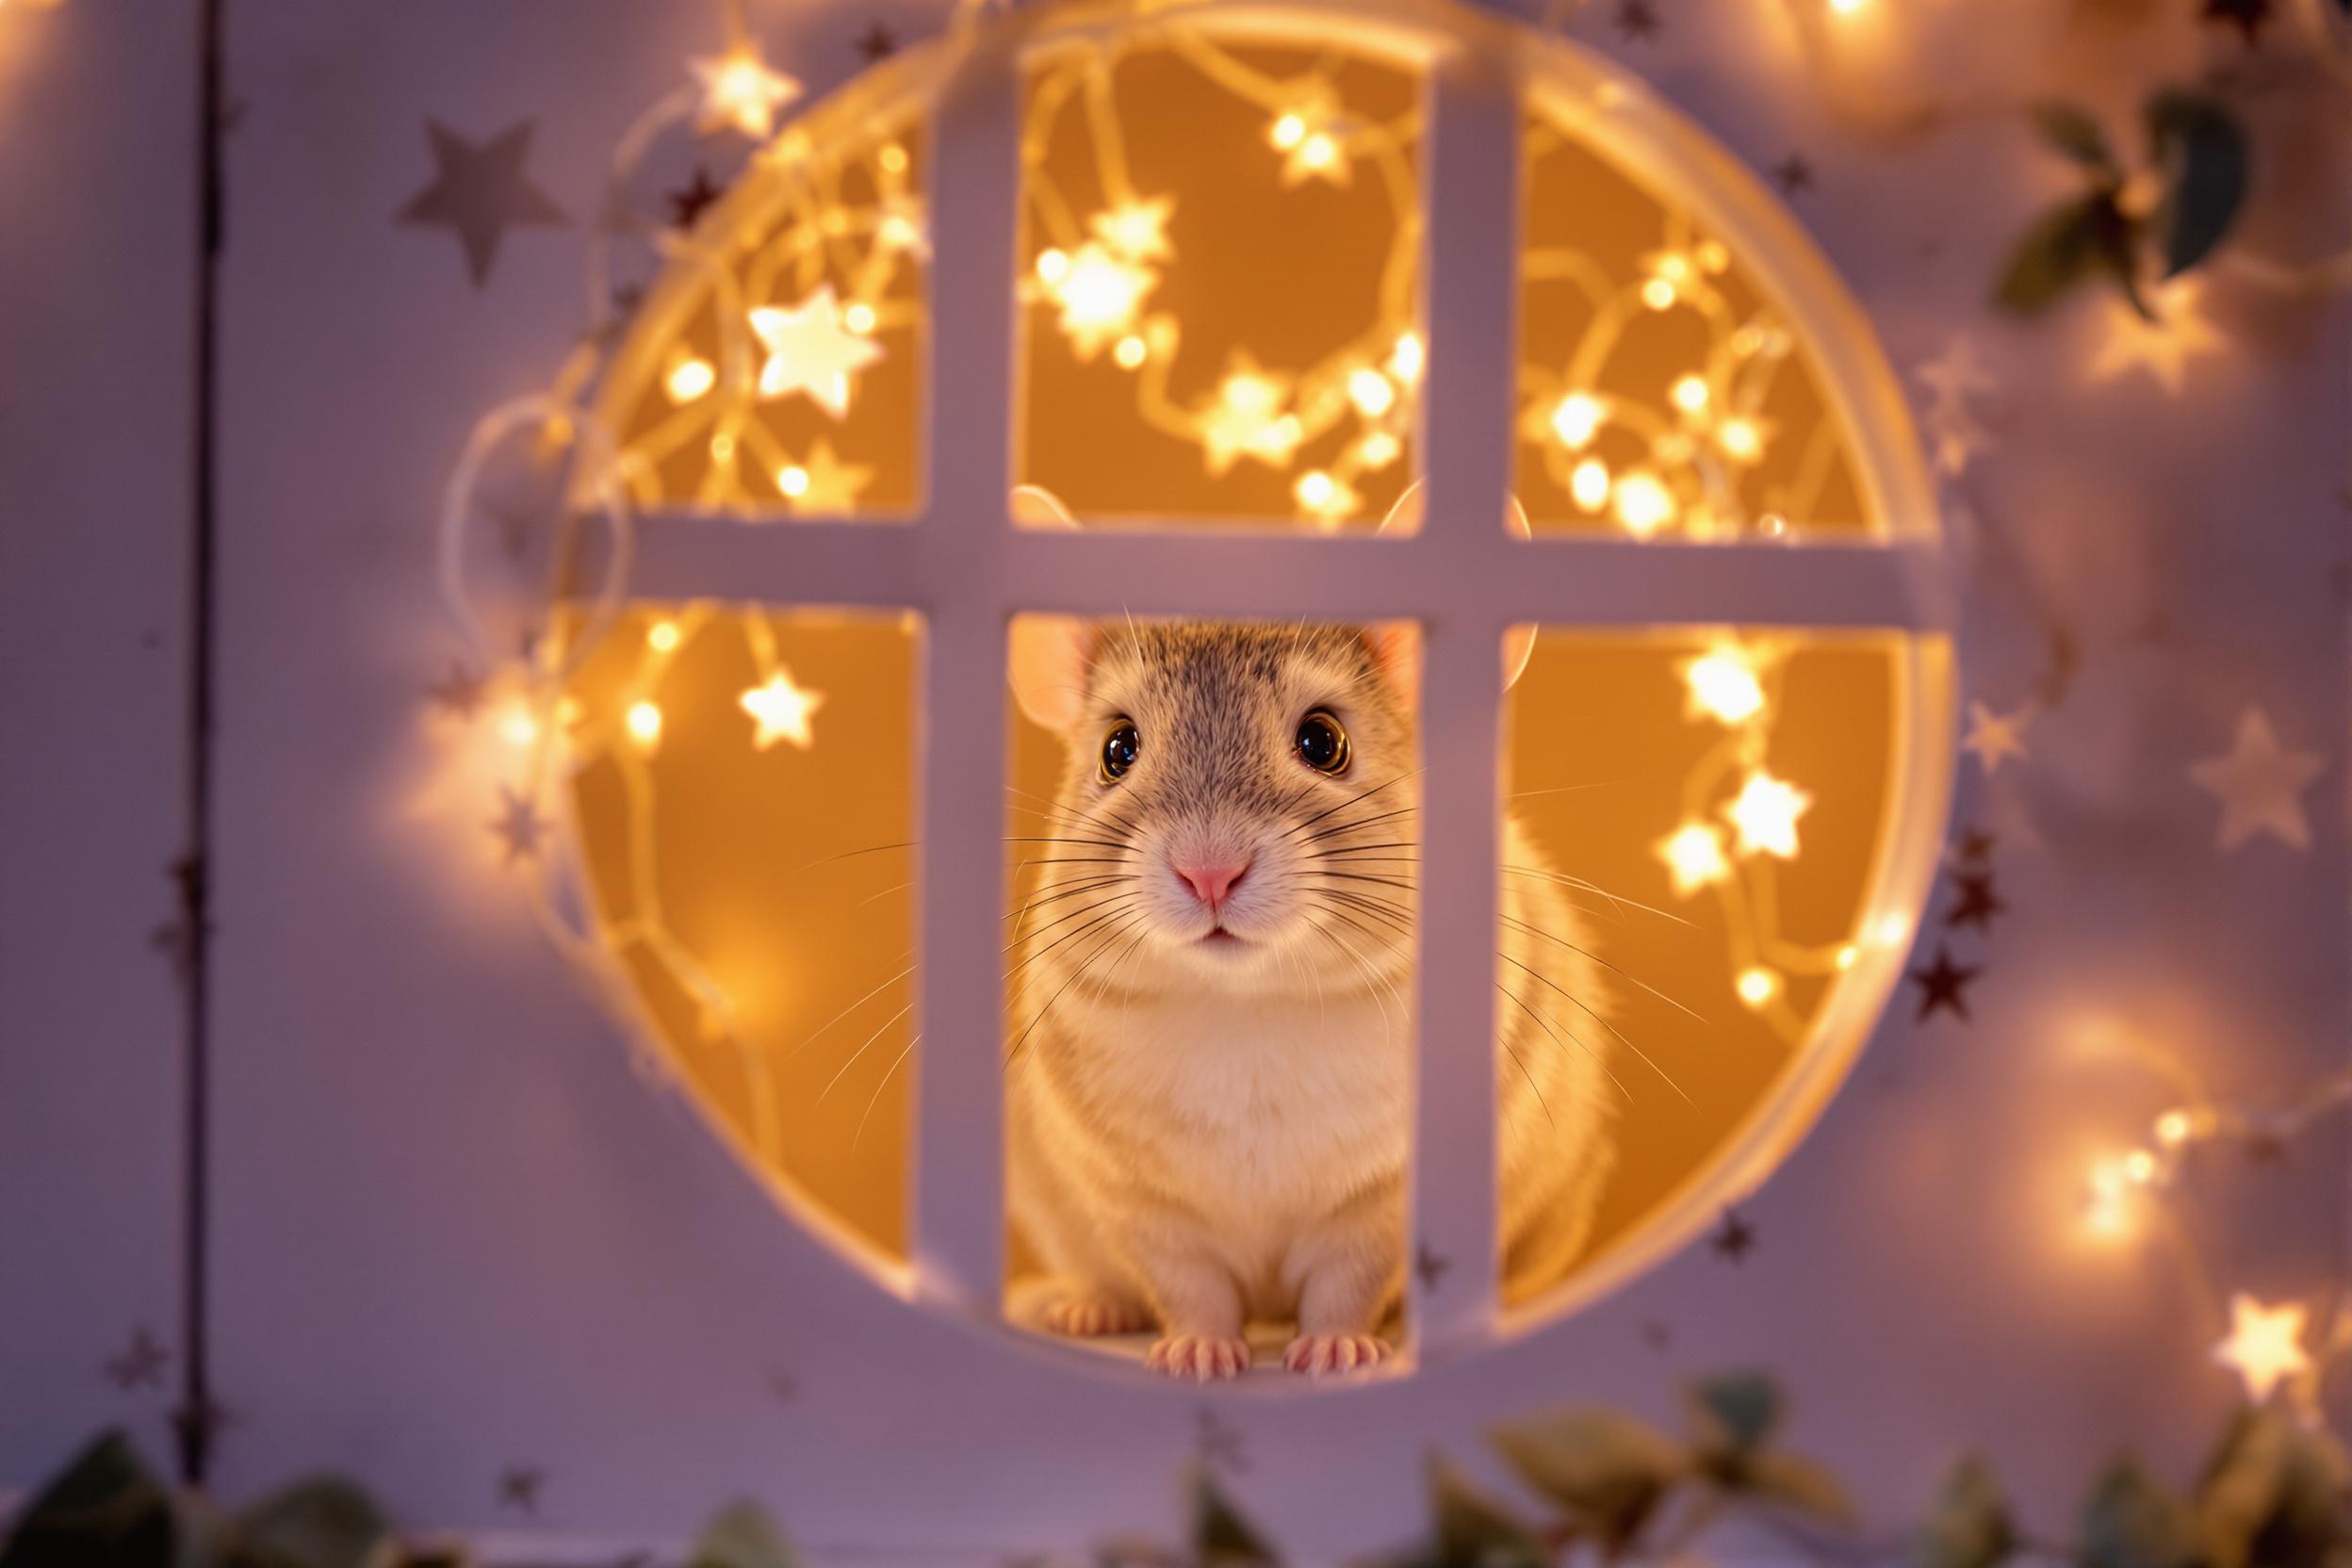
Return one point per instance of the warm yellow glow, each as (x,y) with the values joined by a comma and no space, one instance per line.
(1317,153)
(723,448)
(644,724)
(1409,358)
(792,480)
(519,725)
(1053,266)
(820,482)
(1847,7)
(2264,1346)
(1577,418)
(1695,857)
(860,317)
(1765,815)
(689,379)
(1247,417)
(1658,294)
(1848,956)
(662,636)
(781,710)
(2173,1128)
(1380,448)
(1644,504)
(1324,497)
(2162,346)
(1689,392)
(1100,292)
(1589,484)
(1287,132)
(740,91)
(1758,985)
(1130,352)
(2140,1166)
(1740,439)
(894,158)
(811,351)
(1137,230)
(1372,393)
(1723,685)
(1891,930)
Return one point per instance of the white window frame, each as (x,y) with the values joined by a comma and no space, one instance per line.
(963,566)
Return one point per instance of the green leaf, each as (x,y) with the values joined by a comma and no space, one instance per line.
(1798,1484)
(2131,1521)
(2270,1495)
(1969,1526)
(1222,1537)
(105,1509)
(2067,247)
(1736,1410)
(317,1522)
(2199,148)
(2070,129)
(742,1536)
(1474,1528)
(1609,1472)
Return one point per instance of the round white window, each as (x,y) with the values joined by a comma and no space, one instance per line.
(1308,626)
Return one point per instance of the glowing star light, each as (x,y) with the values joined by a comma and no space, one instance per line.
(1137,230)
(2264,1346)
(811,349)
(2161,346)
(782,711)
(822,482)
(1247,419)
(1994,738)
(1723,685)
(1312,139)
(1695,857)
(741,92)
(1100,292)
(1765,815)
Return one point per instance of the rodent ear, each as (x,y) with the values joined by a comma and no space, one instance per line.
(1519,642)
(1395,650)
(1046,664)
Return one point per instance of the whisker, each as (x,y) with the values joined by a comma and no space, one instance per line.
(862,1051)
(1352,799)
(1603,1023)
(1563,879)
(1367,876)
(1545,1025)
(1092,956)
(858,1136)
(1064,920)
(837,1018)
(1058,941)
(1538,931)
(1354,824)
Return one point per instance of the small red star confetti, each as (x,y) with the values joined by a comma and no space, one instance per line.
(1735,1238)
(141,1365)
(1793,174)
(519,1487)
(1941,985)
(460,693)
(1637,19)
(1977,904)
(1974,848)
(518,826)
(688,205)
(877,43)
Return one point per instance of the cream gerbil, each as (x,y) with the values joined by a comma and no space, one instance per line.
(1209,1059)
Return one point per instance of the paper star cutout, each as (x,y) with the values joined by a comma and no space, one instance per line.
(1958,375)
(1994,738)
(2162,346)
(877,43)
(2260,786)
(519,1487)
(1137,230)
(480,190)
(1975,846)
(1792,174)
(1635,19)
(740,92)
(1246,419)
(822,483)
(2264,1346)
(1977,904)
(141,1365)
(1735,1238)
(1941,986)
(811,351)
(782,711)
(518,826)
(688,205)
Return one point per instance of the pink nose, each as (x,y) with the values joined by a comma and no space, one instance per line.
(1211,884)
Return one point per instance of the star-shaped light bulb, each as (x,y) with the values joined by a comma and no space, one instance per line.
(1312,137)
(1643,503)
(1325,498)
(1247,417)
(1137,230)
(741,92)
(820,482)
(1099,291)
(2264,1346)
(812,350)
(1576,419)
(782,711)
(1723,685)
(1765,814)
(2161,346)
(1695,857)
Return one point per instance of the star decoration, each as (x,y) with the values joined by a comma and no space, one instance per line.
(518,826)
(1635,19)
(1735,1238)
(460,693)
(782,711)
(2162,346)
(740,93)
(2260,786)
(1941,986)
(1099,290)
(822,483)
(141,1365)
(480,190)
(1765,815)
(519,1487)
(1977,904)
(877,43)
(901,226)
(1247,418)
(688,205)
(1974,848)
(1311,136)
(1793,174)
(2264,1346)
(1429,1266)
(2247,16)
(1958,375)
(1954,431)
(1994,738)
(1137,230)
(811,351)
(1217,1444)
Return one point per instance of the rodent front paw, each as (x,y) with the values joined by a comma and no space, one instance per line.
(1088,1316)
(1315,1354)
(1203,1358)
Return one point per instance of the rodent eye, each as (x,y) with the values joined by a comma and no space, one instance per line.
(1322,745)
(1119,749)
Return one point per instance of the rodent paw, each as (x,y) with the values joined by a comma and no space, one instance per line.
(1316,1354)
(1088,1316)
(1203,1358)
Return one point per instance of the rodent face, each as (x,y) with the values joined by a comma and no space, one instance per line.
(1258,782)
